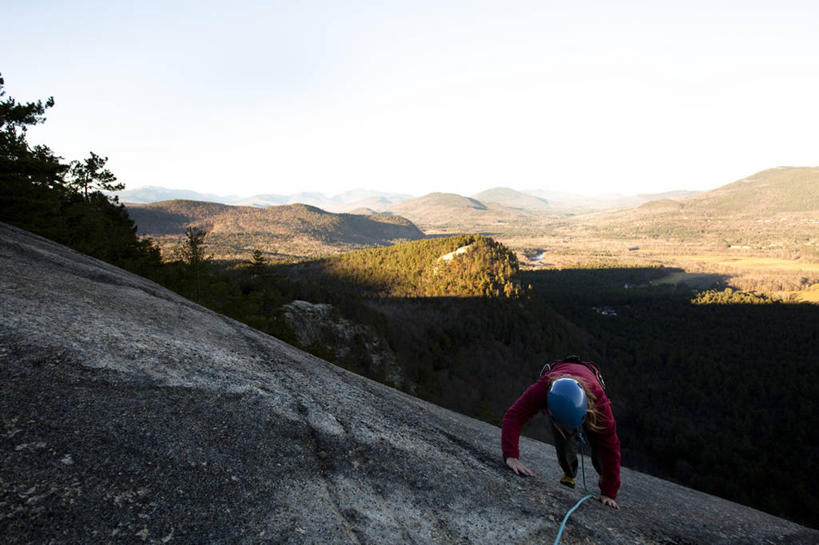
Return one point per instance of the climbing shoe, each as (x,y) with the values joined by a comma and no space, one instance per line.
(565,480)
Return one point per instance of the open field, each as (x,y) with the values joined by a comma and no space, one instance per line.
(786,278)
(810,295)
(752,263)
(698,266)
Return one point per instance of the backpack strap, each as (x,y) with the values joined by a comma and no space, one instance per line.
(593,368)
(546,370)
(576,359)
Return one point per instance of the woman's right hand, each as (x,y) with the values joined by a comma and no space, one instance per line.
(517,466)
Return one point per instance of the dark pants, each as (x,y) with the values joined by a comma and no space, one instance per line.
(567,448)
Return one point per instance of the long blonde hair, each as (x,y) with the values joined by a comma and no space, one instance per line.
(592,419)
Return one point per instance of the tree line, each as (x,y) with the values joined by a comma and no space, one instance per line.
(64,201)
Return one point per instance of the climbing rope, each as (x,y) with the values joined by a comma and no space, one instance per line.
(587,496)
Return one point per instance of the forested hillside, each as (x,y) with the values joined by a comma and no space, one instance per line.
(280,232)
(771,213)
(453,310)
(459,266)
(778,190)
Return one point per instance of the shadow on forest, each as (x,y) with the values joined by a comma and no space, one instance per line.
(711,396)
(614,281)
(717,397)
(162,222)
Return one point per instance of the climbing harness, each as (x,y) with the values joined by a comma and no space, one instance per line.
(588,495)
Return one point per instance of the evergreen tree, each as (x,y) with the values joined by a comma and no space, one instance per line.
(19,162)
(192,253)
(31,178)
(91,173)
(258,264)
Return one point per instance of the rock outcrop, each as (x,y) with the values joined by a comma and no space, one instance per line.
(131,415)
(319,324)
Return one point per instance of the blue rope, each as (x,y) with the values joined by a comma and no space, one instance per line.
(587,496)
(566,518)
(583,460)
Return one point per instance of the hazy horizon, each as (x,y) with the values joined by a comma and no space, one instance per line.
(338,193)
(459,97)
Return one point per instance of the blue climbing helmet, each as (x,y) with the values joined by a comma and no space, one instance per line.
(567,404)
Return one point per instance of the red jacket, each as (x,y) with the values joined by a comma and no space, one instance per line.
(605,440)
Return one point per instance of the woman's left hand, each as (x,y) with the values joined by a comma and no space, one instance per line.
(605,500)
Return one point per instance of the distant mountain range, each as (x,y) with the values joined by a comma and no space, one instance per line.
(513,199)
(579,204)
(506,211)
(343,202)
(494,211)
(149,194)
(451,213)
(379,201)
(743,213)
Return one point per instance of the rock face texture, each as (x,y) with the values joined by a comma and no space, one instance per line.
(131,415)
(318,323)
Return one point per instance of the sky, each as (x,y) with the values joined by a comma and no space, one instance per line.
(278,97)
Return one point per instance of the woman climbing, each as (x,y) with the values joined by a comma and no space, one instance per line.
(571,392)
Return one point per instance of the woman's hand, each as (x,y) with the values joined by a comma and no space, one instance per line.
(605,500)
(518,467)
